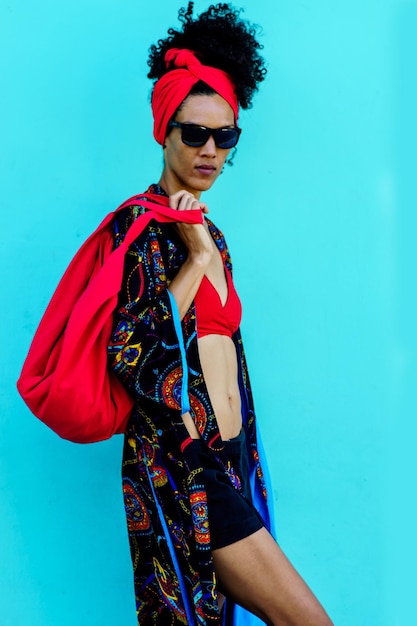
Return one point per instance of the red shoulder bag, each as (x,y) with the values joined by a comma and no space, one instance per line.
(65,380)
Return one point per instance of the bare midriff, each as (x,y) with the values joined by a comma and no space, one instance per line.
(219,364)
(217,352)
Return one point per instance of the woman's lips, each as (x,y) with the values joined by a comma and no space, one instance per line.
(205,169)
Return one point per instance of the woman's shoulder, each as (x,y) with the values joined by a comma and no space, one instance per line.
(217,235)
(124,217)
(130,211)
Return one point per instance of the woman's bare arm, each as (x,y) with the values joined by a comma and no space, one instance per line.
(200,251)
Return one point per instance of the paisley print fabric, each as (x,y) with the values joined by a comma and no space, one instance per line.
(165,500)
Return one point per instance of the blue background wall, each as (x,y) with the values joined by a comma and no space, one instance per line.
(324,176)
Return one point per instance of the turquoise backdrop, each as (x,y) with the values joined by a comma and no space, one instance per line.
(319,213)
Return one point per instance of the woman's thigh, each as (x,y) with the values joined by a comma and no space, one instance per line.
(257,575)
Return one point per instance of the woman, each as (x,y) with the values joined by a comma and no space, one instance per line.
(193,484)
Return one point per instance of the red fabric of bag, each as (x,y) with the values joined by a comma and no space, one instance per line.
(65,380)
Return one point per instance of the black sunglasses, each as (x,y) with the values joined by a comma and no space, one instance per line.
(196,136)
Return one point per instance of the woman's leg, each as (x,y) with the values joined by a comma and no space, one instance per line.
(257,575)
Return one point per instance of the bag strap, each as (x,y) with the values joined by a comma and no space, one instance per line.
(158,212)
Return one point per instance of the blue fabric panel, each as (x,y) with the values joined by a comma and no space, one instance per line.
(189,608)
(185,401)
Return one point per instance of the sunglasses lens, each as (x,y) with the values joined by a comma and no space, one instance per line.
(194,135)
(226,137)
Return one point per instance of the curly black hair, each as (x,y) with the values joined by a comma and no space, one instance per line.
(220,38)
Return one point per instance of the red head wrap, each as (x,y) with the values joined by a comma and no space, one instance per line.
(174,86)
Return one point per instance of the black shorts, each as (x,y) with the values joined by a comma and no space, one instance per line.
(231,514)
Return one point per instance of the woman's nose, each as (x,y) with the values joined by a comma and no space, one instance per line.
(209,148)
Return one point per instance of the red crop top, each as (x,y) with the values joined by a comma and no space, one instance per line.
(212,317)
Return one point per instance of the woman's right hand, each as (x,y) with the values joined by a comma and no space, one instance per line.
(195,236)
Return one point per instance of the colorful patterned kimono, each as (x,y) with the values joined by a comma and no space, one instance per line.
(156,357)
